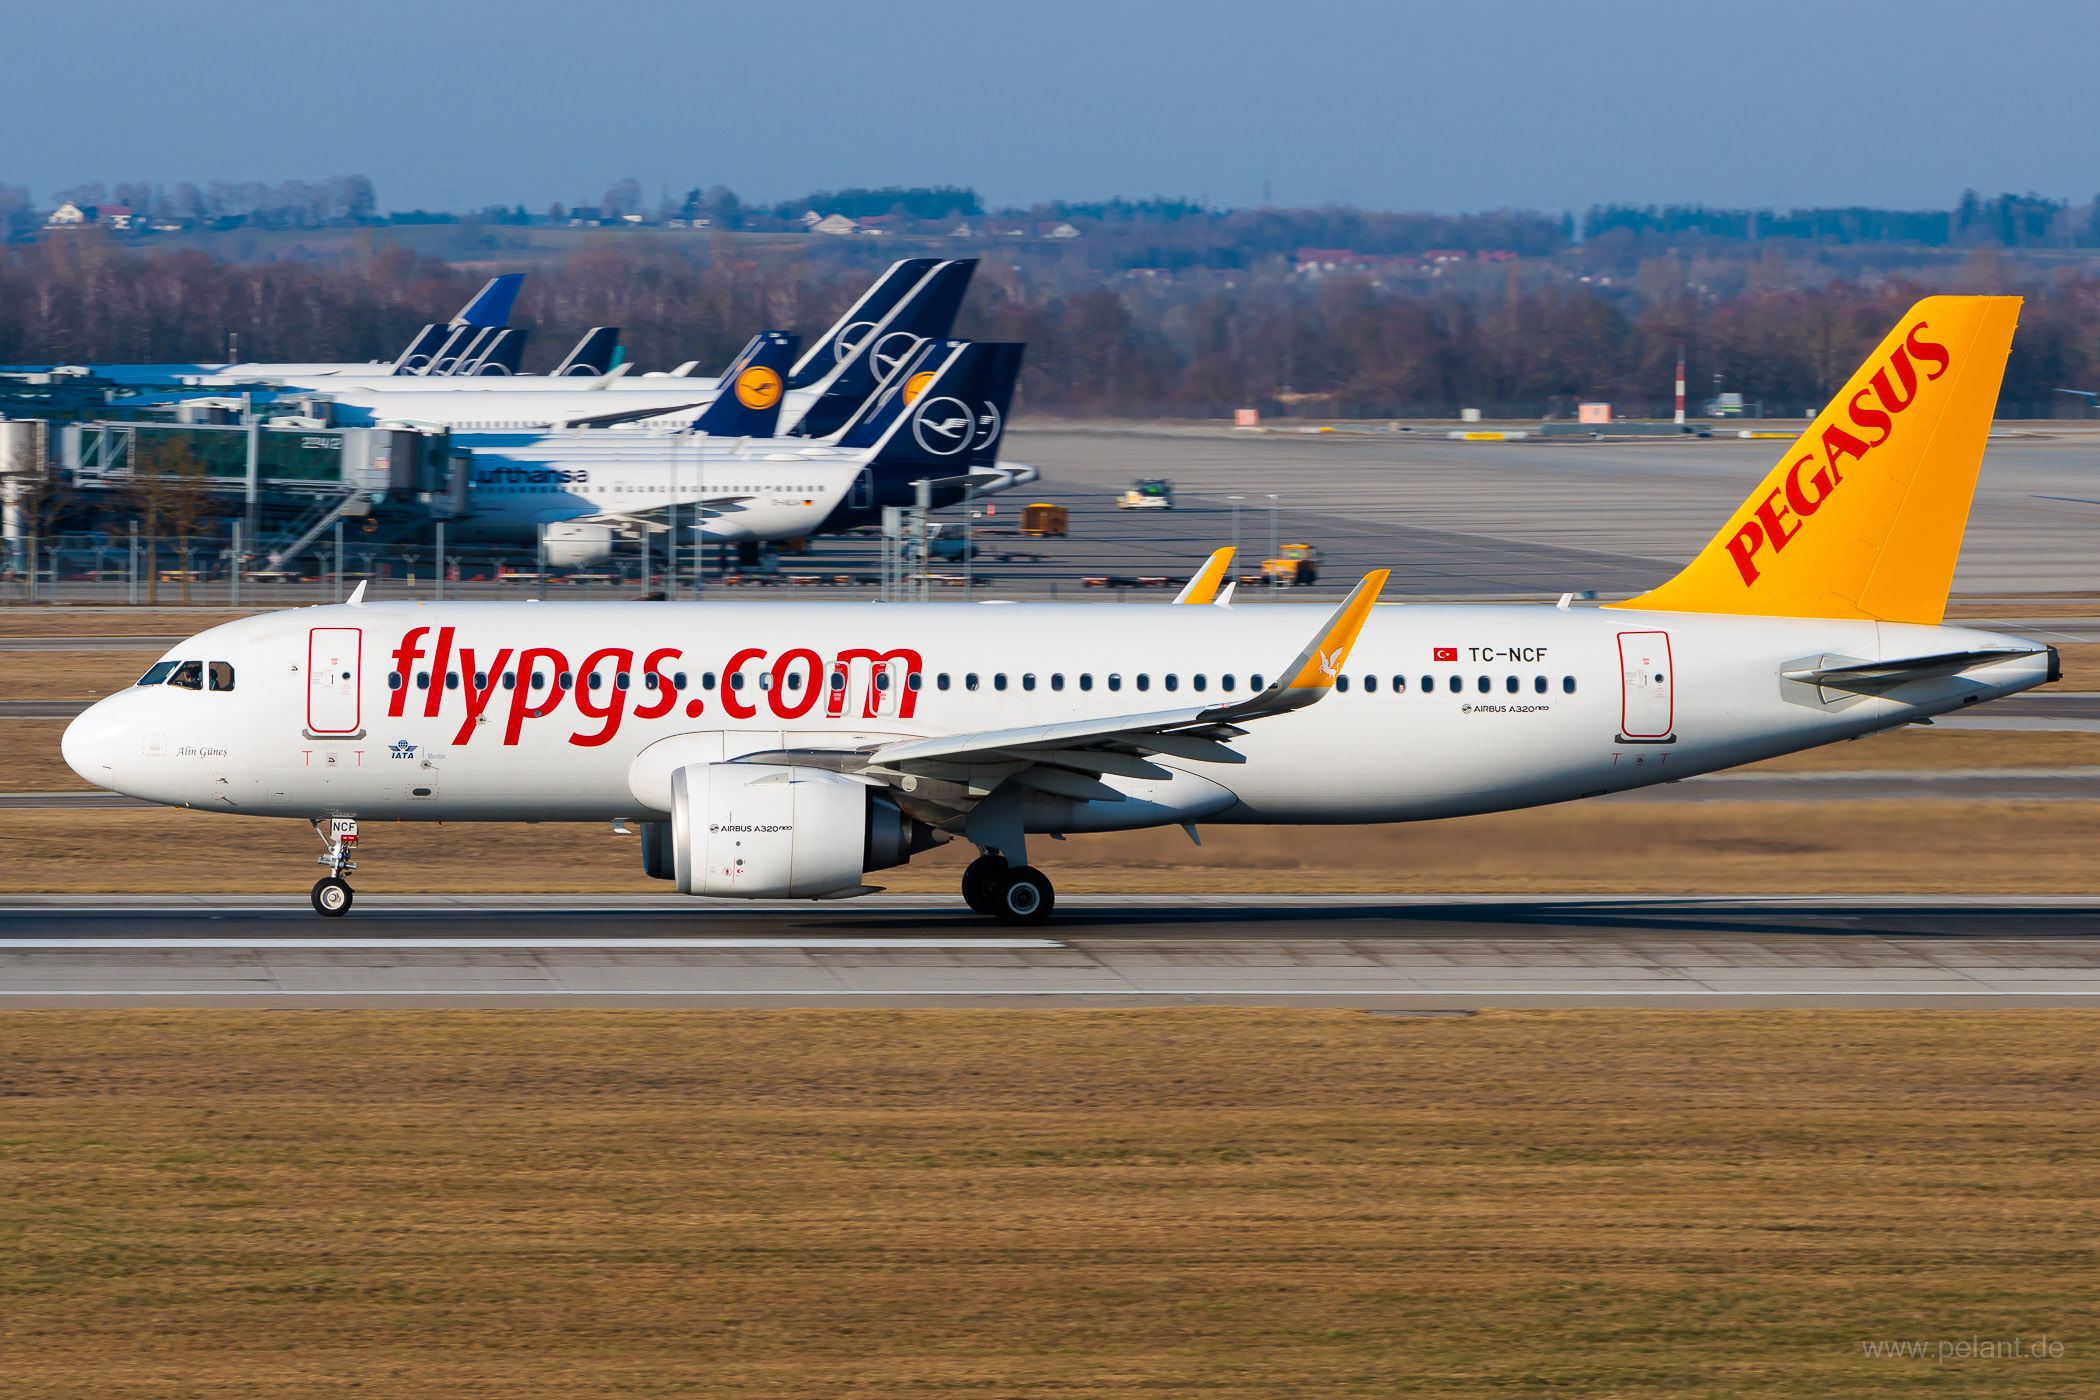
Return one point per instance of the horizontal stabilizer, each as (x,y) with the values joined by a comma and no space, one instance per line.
(1870,676)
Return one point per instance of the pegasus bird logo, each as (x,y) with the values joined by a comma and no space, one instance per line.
(1330,662)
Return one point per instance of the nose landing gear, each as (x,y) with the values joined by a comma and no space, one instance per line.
(332,893)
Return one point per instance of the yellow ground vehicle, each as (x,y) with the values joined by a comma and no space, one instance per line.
(1293,564)
(1040,519)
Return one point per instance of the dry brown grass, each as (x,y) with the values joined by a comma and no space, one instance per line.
(1237,1203)
(1806,848)
(112,622)
(1916,749)
(69,675)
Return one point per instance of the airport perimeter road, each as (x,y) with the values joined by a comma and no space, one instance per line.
(1374,952)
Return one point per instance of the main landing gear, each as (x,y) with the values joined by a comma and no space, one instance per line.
(332,893)
(1010,894)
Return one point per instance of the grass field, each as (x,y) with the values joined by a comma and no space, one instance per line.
(1748,847)
(1056,1203)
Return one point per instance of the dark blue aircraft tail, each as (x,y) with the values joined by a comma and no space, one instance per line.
(594,354)
(491,305)
(945,408)
(747,401)
(830,349)
(925,312)
(495,352)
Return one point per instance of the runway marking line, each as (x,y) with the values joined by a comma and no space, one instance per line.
(505,945)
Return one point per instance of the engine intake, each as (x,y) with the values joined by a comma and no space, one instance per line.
(766,831)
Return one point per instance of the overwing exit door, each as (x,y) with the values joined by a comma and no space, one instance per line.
(333,659)
(1647,704)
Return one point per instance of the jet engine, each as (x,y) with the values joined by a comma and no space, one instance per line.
(572,545)
(766,831)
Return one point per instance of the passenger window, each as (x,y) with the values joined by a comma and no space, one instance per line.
(221,673)
(1399,685)
(1144,682)
(158,672)
(794,680)
(999,681)
(189,675)
(1567,685)
(1225,681)
(970,681)
(1486,685)
(591,681)
(1458,683)
(1057,680)
(539,680)
(882,679)
(1173,681)
(838,680)
(1370,684)
(393,679)
(1254,682)
(1028,680)
(911,681)
(619,680)
(510,680)
(422,680)
(940,682)
(736,680)
(567,680)
(1341,683)
(1198,682)
(1511,685)
(707,680)
(451,680)
(649,681)
(1115,682)
(1538,683)
(765,680)
(1086,680)
(678,681)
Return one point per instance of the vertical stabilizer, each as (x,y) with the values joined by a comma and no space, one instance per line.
(1864,515)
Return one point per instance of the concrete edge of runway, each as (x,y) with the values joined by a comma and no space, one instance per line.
(1430,1004)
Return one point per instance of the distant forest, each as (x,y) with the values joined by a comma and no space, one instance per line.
(1528,337)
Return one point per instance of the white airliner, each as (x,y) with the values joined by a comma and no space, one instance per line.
(734,481)
(788,750)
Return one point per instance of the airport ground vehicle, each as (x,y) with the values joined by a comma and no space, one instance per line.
(1293,564)
(1148,493)
(776,751)
(1041,520)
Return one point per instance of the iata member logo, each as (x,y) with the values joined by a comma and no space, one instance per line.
(402,749)
(1446,654)
(758,387)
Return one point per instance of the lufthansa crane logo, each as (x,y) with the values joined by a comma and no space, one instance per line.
(758,387)
(891,351)
(916,385)
(944,426)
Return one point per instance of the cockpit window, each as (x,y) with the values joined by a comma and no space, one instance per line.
(221,673)
(189,675)
(158,672)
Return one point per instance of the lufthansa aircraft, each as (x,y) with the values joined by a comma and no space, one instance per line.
(786,751)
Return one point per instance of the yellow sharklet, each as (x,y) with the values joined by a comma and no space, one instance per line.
(1863,516)
(1321,662)
(1203,587)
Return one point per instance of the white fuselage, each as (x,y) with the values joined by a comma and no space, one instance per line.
(762,491)
(428,712)
(472,408)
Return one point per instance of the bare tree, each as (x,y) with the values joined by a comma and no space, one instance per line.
(169,484)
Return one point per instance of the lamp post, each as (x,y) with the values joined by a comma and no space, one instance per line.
(1235,521)
(1272,524)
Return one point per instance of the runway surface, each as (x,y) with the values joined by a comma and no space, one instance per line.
(1375,952)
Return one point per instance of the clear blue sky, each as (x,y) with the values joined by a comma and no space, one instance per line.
(1459,105)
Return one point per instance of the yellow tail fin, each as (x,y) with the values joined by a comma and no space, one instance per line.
(1863,516)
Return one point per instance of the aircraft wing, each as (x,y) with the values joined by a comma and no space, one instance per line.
(626,415)
(658,517)
(950,773)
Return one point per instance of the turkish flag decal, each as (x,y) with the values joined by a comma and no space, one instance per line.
(1447,654)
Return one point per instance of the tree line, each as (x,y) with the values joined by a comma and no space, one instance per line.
(1521,340)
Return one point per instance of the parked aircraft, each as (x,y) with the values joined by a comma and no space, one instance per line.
(854,358)
(734,480)
(775,751)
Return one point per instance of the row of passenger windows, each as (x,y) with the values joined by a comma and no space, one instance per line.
(190,675)
(620,680)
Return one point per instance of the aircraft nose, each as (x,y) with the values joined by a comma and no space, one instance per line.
(90,744)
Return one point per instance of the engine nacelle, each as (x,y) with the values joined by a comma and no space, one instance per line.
(572,545)
(764,831)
